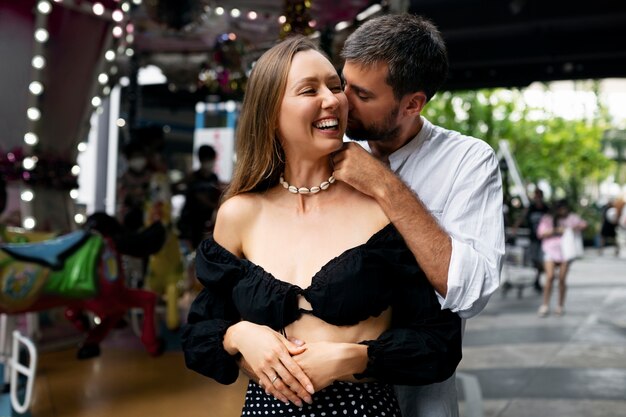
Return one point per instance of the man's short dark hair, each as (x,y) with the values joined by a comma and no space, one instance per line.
(410,45)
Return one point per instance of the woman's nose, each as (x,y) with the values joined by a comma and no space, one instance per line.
(330,99)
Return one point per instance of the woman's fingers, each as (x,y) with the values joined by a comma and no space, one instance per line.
(266,383)
(297,378)
(283,393)
(288,385)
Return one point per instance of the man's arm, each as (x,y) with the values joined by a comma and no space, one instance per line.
(428,242)
(461,262)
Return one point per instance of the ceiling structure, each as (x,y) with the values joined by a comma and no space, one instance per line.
(491,43)
(495,43)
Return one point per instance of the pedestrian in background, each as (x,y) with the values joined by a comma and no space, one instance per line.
(202,195)
(531,217)
(608,230)
(551,230)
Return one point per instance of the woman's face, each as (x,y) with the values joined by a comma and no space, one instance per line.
(314,110)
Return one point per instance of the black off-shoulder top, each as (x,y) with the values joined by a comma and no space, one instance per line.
(423,345)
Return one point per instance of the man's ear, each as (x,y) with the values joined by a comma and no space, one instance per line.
(415,102)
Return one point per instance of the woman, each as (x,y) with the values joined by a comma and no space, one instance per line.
(296,255)
(550,230)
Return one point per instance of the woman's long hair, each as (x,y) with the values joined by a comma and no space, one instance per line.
(260,155)
(557,211)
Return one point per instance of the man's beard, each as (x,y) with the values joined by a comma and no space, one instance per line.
(376,132)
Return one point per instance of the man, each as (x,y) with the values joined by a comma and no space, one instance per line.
(442,190)
(532,216)
(202,194)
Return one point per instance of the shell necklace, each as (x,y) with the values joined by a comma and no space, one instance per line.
(305,190)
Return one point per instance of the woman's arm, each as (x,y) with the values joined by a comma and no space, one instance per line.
(426,352)
(265,352)
(266,357)
(422,346)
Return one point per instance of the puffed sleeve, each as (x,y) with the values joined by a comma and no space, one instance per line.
(212,313)
(423,345)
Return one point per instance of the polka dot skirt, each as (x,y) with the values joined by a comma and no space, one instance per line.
(337,400)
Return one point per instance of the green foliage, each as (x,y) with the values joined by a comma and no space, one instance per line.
(565,153)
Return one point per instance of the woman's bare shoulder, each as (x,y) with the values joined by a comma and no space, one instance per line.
(234,217)
(239,207)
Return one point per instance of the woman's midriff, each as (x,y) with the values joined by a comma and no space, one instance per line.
(310,328)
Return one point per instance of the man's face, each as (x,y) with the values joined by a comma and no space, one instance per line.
(373,109)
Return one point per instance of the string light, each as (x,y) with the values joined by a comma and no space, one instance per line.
(27,195)
(44,7)
(36,87)
(38,62)
(31,139)
(41,35)
(29,223)
(117,15)
(33,114)
(98,9)
(29,163)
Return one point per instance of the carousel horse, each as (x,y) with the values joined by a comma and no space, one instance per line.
(81,271)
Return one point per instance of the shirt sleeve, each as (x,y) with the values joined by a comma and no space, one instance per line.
(211,314)
(474,219)
(423,345)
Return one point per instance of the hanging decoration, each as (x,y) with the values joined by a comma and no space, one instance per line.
(224,72)
(297,18)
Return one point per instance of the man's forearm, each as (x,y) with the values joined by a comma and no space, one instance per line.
(429,243)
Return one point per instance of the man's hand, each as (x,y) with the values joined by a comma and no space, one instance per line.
(267,358)
(358,168)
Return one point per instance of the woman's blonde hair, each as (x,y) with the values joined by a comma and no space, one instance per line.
(260,155)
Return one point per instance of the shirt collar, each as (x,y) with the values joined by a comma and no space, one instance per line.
(398,158)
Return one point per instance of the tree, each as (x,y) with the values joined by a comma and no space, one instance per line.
(565,153)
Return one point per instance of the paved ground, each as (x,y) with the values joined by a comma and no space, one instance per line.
(574,365)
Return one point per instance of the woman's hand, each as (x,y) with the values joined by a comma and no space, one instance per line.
(327,362)
(267,358)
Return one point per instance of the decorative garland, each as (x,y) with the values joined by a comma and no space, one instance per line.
(297,18)
(49,171)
